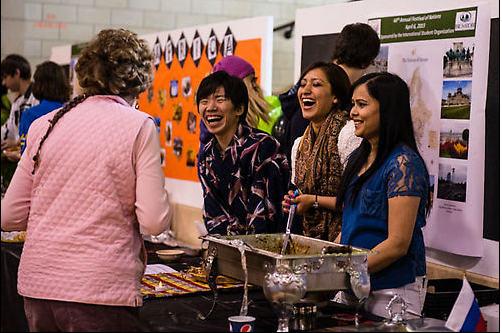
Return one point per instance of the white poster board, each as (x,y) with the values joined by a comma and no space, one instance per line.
(441,50)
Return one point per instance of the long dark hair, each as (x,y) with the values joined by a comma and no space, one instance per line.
(51,83)
(396,127)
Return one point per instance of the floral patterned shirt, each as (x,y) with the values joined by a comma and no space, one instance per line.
(243,188)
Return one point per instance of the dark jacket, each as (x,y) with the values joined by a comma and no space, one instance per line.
(291,124)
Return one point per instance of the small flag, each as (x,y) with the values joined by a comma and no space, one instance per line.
(466,315)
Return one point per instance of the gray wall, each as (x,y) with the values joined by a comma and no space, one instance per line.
(32,27)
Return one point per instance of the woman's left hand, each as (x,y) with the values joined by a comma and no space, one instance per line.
(286,203)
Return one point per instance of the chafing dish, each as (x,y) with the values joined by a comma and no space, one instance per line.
(325,270)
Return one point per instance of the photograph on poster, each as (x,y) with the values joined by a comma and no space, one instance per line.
(456,100)
(169,133)
(190,157)
(457,59)
(177,111)
(177,147)
(452,182)
(380,64)
(163,157)
(186,86)
(162,97)
(173,90)
(191,122)
(454,141)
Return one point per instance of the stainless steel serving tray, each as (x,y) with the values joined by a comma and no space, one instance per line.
(306,252)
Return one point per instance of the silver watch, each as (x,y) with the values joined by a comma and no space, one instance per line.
(316,203)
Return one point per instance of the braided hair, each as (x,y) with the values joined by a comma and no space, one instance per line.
(67,107)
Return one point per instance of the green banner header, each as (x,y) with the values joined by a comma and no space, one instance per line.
(436,25)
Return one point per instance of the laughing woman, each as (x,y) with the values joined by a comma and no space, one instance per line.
(384,194)
(324,94)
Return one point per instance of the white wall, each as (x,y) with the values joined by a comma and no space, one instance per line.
(33,27)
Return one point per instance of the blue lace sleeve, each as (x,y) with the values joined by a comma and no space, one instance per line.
(407,176)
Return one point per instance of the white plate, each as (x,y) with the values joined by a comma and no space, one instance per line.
(170,255)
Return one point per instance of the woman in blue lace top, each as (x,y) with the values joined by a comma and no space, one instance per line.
(384,194)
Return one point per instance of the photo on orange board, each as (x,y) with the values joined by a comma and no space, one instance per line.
(177,147)
(190,157)
(191,122)
(169,133)
(186,84)
(177,111)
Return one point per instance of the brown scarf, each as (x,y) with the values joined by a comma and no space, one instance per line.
(318,171)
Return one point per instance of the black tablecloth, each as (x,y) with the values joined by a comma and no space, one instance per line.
(180,314)
(170,313)
(13,318)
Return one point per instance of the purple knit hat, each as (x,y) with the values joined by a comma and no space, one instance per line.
(235,66)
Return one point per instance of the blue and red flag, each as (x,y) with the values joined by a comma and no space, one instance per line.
(466,315)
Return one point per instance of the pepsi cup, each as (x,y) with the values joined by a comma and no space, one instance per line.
(241,323)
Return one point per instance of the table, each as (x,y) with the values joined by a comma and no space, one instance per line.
(174,314)
(12,313)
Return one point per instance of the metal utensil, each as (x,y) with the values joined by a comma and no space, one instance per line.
(291,216)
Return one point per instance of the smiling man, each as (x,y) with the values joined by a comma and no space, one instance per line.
(243,171)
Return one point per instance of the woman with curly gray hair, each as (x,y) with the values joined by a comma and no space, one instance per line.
(89,178)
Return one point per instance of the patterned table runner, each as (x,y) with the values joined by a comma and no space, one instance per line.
(176,284)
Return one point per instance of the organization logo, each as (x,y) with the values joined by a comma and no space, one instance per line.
(465,20)
(465,17)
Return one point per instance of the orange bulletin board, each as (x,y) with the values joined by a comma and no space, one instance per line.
(171,99)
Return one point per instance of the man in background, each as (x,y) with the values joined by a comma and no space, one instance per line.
(16,76)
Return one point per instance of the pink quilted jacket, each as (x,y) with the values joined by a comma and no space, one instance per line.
(83,242)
